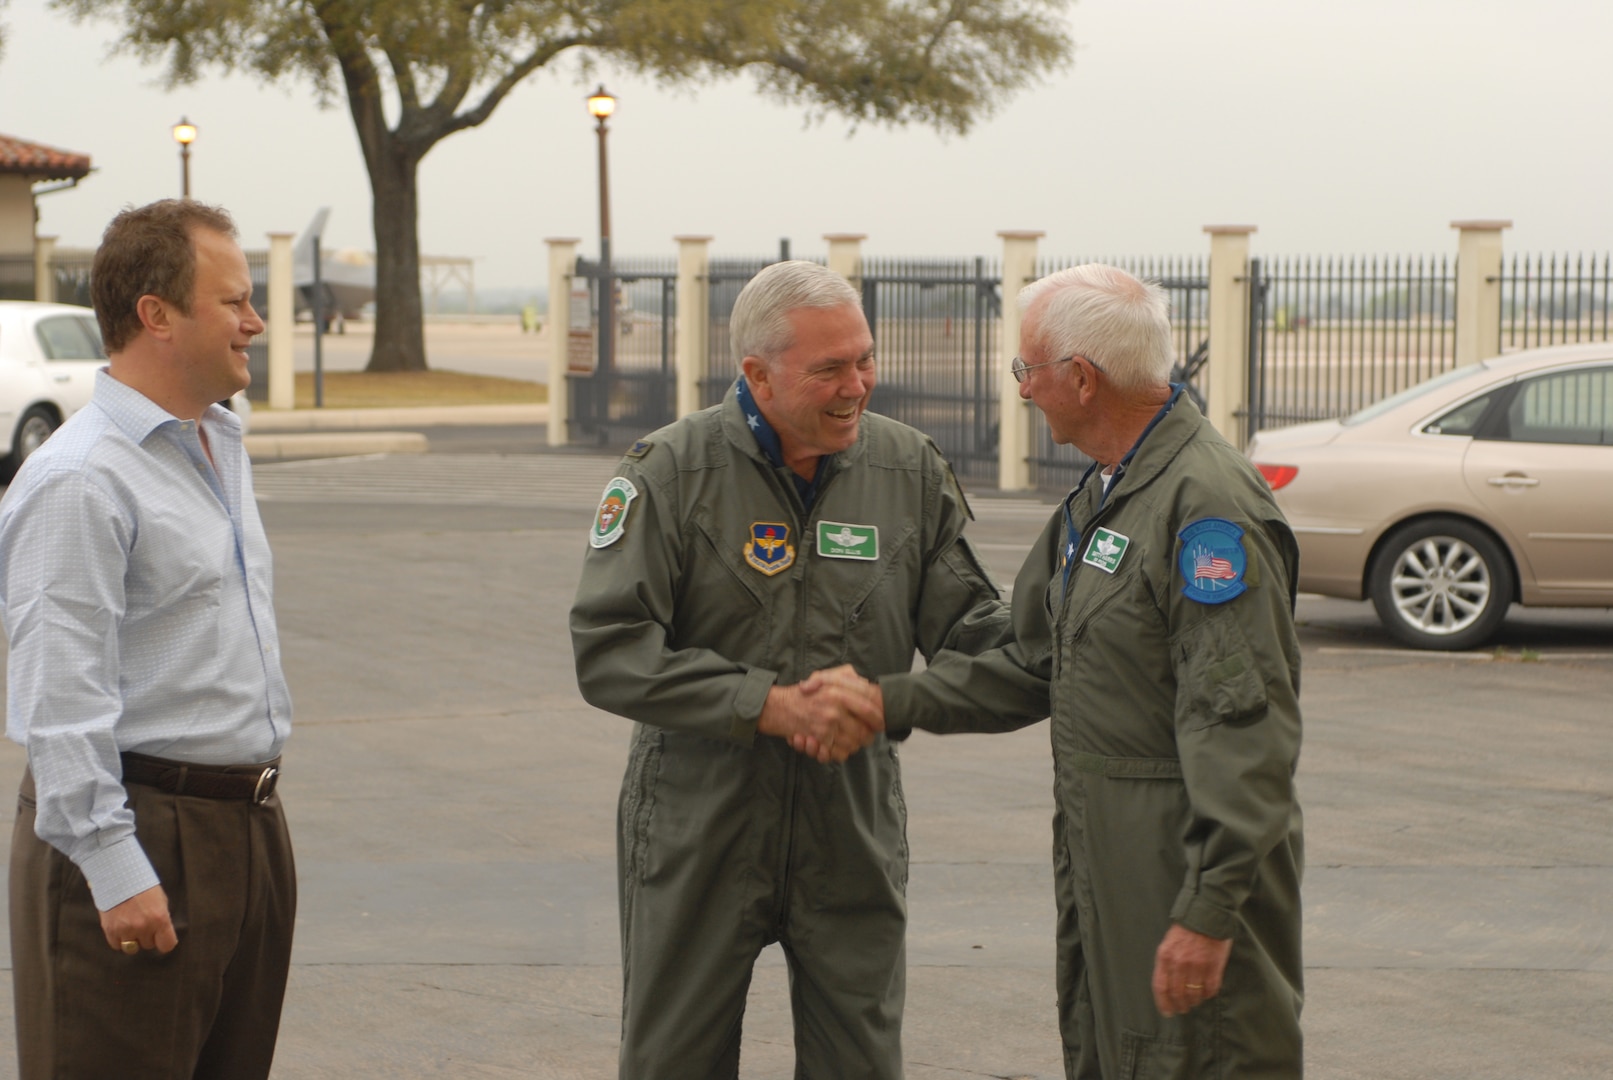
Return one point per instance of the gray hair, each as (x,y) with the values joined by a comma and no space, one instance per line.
(1104,314)
(760,324)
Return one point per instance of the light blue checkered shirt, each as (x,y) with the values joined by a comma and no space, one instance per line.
(136,586)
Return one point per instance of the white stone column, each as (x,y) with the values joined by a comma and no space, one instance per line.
(1478,290)
(44,280)
(562,264)
(694,320)
(1228,392)
(1014,436)
(282,323)
(845,256)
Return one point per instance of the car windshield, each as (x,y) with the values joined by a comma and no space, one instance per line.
(1412,393)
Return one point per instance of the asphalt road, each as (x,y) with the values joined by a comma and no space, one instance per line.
(453,802)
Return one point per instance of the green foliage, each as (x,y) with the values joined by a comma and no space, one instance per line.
(415,71)
(945,63)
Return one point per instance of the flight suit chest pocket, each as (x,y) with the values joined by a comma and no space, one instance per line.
(880,594)
(717,592)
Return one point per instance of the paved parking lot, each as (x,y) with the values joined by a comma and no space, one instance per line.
(453,802)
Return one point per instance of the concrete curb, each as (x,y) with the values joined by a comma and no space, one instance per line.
(266,421)
(260,447)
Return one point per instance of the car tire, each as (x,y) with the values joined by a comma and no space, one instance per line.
(1441,583)
(37,424)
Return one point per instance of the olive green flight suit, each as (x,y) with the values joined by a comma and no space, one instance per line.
(729,841)
(1176,731)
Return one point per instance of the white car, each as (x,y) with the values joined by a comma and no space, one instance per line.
(49,354)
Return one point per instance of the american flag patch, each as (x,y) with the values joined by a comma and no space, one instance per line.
(1208,566)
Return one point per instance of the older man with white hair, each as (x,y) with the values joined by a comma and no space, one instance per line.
(1154,621)
(783,530)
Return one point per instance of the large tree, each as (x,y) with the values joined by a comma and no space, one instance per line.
(440,66)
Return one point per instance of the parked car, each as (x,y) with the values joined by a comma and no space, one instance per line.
(49,354)
(1489,485)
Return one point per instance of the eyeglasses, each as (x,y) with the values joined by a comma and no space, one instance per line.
(1022,370)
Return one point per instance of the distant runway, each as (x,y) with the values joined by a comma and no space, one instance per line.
(476,348)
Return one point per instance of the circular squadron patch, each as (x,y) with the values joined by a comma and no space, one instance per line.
(1212,561)
(611,518)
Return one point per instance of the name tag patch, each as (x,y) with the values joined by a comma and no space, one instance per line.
(769,549)
(843,540)
(611,518)
(1212,561)
(1106,549)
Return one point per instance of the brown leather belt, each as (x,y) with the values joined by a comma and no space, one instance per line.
(254,783)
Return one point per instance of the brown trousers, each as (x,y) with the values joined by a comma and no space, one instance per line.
(209,1010)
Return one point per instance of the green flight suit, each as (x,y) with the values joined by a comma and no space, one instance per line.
(1175,731)
(709,586)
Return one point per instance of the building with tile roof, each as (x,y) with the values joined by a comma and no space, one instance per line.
(24,164)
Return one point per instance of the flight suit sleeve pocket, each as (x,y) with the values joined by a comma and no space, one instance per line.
(1217,679)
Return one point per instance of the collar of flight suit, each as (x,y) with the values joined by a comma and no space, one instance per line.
(740,437)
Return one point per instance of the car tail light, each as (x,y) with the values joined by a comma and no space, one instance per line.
(1278,476)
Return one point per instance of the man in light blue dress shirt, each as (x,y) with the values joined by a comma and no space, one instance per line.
(152,885)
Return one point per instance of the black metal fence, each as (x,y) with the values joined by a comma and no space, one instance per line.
(1329,336)
(724,280)
(935,325)
(1554,299)
(631,385)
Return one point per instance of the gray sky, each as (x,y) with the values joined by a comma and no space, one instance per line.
(1337,127)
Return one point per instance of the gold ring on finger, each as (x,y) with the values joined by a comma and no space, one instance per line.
(131,947)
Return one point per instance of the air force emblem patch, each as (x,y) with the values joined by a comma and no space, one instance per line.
(1212,561)
(611,518)
(769,549)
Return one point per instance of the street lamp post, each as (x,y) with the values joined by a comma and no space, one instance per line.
(184,135)
(600,106)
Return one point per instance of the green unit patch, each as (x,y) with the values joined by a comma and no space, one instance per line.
(610,520)
(1106,550)
(842,540)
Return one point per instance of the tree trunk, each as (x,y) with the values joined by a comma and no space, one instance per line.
(400,343)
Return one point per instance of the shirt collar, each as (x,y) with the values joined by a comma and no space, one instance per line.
(137,416)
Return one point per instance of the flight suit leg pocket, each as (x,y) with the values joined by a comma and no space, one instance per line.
(637,805)
(1143,1057)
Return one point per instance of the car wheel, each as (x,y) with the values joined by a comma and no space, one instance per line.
(1441,583)
(33,429)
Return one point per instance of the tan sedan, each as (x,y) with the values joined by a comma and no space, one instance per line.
(1487,485)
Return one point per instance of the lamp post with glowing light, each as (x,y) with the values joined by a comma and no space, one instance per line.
(184,135)
(600,106)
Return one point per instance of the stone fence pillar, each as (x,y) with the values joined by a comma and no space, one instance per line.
(692,343)
(1014,436)
(1228,392)
(1478,290)
(845,256)
(282,324)
(44,280)
(562,264)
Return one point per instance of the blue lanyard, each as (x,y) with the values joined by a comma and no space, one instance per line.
(768,440)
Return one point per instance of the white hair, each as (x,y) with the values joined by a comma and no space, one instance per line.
(1104,314)
(760,324)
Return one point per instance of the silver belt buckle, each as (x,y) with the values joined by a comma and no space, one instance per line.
(265,786)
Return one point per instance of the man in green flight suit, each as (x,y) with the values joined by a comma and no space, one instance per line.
(738,550)
(1154,621)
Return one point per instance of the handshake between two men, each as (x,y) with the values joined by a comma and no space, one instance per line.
(829,715)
